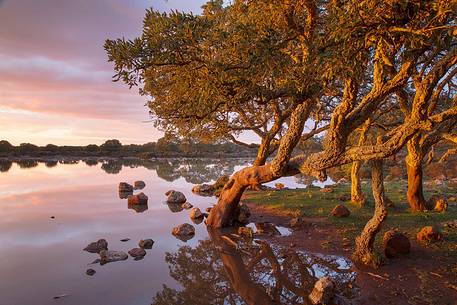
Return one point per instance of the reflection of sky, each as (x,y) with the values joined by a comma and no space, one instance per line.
(44,256)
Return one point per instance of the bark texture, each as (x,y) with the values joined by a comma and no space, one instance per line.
(357,195)
(413,162)
(364,250)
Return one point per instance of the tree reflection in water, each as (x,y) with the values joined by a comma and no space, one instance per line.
(5,165)
(226,269)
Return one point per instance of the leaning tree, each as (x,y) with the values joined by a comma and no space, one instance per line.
(303,60)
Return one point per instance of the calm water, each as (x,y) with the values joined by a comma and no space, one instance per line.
(41,258)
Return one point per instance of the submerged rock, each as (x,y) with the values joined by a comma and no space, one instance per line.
(429,234)
(112,256)
(97,246)
(146,243)
(175,197)
(139,208)
(184,231)
(124,187)
(141,198)
(395,244)
(139,185)
(175,207)
(137,253)
(340,211)
(90,272)
(195,213)
(323,292)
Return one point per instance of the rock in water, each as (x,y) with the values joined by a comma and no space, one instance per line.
(323,292)
(137,253)
(139,185)
(429,234)
(97,246)
(146,243)
(395,244)
(279,186)
(340,211)
(203,189)
(195,213)
(175,197)
(90,272)
(243,213)
(112,256)
(141,198)
(187,205)
(184,232)
(124,187)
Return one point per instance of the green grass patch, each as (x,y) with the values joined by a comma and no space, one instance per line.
(313,203)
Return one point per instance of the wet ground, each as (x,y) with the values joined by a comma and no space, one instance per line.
(50,212)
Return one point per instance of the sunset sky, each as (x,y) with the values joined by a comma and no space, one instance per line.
(55,82)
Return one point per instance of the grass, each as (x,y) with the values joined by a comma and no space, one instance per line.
(313,203)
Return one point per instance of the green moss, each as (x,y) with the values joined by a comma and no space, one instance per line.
(313,203)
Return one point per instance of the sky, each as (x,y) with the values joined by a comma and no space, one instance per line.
(55,81)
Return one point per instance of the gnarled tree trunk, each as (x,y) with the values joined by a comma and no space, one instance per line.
(357,195)
(364,250)
(413,162)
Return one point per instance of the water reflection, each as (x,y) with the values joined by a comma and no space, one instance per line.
(5,165)
(139,208)
(227,269)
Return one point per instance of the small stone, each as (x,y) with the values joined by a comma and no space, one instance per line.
(97,246)
(429,234)
(340,211)
(323,292)
(53,217)
(141,198)
(175,197)
(137,253)
(112,256)
(195,213)
(279,186)
(326,190)
(395,244)
(125,240)
(146,243)
(139,185)
(90,272)
(184,231)
(187,205)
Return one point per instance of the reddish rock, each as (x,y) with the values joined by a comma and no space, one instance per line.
(137,253)
(139,185)
(141,198)
(279,186)
(340,211)
(175,197)
(97,246)
(395,244)
(187,205)
(429,234)
(184,232)
(146,243)
(124,187)
(195,213)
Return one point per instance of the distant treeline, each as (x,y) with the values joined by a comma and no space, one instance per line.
(114,148)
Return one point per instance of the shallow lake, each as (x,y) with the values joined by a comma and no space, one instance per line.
(50,211)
